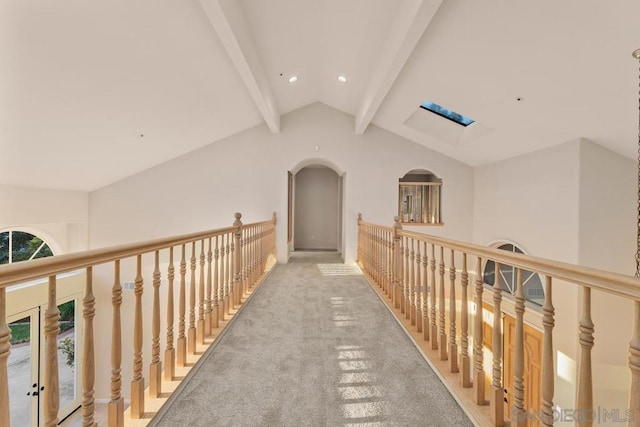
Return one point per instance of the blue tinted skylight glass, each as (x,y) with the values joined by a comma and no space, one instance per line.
(447,114)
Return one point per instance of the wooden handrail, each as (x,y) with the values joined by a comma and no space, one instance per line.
(256,256)
(605,281)
(12,274)
(506,372)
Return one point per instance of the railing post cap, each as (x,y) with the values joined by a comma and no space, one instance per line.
(274,217)
(359,217)
(237,222)
(396,222)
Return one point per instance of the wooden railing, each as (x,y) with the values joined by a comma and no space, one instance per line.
(220,266)
(403,264)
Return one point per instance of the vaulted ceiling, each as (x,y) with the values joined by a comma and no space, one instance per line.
(91,92)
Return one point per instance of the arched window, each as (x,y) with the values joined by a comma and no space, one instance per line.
(533,290)
(419,198)
(16,246)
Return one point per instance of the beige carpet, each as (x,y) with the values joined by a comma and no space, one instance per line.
(314,346)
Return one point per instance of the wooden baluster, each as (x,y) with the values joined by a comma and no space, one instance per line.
(432,277)
(200,332)
(170,353)
(465,361)
(585,379)
(181,345)
(137,384)
(634,365)
(518,414)
(208,312)
(453,343)
(497,393)
(237,269)
(227,275)
(243,271)
(223,291)
(191,333)
(155,368)
(441,301)
(51,383)
(425,293)
(115,407)
(390,283)
(88,354)
(215,319)
(418,286)
(397,262)
(478,337)
(548,373)
(412,283)
(232,284)
(407,279)
(5,349)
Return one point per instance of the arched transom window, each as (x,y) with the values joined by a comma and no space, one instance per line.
(533,290)
(16,246)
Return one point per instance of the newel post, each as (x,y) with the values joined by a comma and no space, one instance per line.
(397,262)
(237,260)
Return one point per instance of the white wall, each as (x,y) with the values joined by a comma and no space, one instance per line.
(247,172)
(316,209)
(575,202)
(532,200)
(60,217)
(608,197)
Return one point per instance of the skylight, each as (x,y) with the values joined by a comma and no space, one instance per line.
(447,114)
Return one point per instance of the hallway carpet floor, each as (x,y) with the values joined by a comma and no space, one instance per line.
(314,346)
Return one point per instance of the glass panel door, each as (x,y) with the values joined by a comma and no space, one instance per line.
(23,372)
(26,363)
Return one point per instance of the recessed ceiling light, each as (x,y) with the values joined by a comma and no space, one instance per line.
(341,78)
(293,79)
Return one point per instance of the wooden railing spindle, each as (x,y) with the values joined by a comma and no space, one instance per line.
(115,407)
(137,384)
(397,270)
(412,284)
(478,337)
(497,393)
(191,332)
(585,379)
(227,276)
(465,360)
(425,293)
(215,319)
(155,368)
(170,353)
(432,280)
(237,269)
(51,380)
(453,343)
(209,301)
(181,359)
(88,355)
(223,290)
(418,287)
(518,414)
(200,332)
(441,301)
(548,373)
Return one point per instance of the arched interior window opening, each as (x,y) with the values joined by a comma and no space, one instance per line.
(419,194)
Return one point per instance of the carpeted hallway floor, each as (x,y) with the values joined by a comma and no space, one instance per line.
(313,347)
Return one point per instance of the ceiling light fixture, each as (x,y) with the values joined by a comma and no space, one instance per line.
(341,78)
(293,79)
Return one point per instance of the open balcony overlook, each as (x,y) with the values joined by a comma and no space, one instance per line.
(439,212)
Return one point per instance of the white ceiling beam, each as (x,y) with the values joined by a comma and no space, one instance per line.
(408,26)
(228,21)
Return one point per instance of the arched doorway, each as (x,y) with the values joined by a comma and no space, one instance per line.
(316,209)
